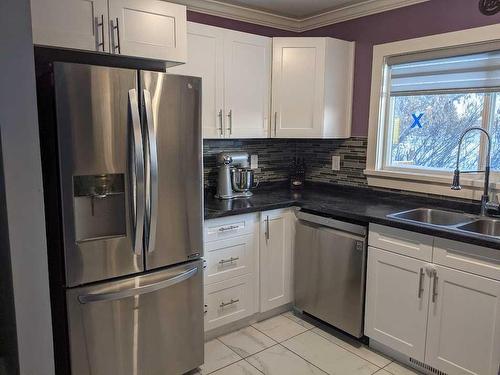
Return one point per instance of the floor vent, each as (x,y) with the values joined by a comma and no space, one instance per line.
(427,367)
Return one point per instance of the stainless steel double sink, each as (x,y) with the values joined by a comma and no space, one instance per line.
(462,222)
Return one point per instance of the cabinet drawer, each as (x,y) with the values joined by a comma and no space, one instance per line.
(228,301)
(228,258)
(479,260)
(400,241)
(218,229)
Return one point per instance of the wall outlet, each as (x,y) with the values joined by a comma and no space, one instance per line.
(335,163)
(254,161)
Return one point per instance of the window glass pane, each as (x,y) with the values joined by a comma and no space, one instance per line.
(426,130)
(495,135)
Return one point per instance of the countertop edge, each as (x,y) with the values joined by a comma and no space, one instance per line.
(441,232)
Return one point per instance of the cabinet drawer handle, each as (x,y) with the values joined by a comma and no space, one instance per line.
(205,309)
(434,286)
(230,227)
(232,302)
(421,283)
(230,260)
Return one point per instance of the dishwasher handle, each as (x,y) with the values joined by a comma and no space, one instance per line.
(332,223)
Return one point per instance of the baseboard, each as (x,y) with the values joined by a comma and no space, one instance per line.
(245,322)
(404,359)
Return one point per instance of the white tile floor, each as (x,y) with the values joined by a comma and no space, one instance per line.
(288,345)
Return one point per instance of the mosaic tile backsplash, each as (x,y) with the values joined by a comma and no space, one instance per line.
(275,157)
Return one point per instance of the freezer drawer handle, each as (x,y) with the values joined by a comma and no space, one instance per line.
(232,302)
(112,296)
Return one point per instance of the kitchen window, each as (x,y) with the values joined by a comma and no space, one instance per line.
(425,99)
(433,101)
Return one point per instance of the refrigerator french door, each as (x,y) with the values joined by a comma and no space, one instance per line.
(129,146)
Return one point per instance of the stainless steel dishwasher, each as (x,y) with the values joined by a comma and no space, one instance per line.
(329,265)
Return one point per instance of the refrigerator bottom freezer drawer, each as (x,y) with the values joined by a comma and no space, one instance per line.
(145,325)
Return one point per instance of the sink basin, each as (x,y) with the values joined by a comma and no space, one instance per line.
(487,227)
(434,217)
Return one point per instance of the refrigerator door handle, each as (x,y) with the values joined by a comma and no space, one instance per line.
(152,161)
(136,174)
(112,296)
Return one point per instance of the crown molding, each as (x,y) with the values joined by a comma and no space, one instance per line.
(239,13)
(350,12)
(236,12)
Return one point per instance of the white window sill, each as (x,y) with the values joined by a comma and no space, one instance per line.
(438,184)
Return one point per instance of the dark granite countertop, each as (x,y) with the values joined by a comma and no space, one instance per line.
(358,205)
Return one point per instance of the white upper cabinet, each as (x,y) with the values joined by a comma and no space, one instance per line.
(148,28)
(81,24)
(235,69)
(312,88)
(247,84)
(142,28)
(206,60)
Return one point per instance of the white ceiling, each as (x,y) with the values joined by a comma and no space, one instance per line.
(295,8)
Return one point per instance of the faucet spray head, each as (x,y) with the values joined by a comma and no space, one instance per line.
(456,180)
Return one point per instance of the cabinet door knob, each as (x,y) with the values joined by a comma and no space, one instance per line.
(221,126)
(267,228)
(434,286)
(99,25)
(421,283)
(230,117)
(116,46)
(275,123)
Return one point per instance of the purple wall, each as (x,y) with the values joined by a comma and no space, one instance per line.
(432,17)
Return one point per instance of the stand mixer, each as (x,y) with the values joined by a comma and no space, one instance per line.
(235,178)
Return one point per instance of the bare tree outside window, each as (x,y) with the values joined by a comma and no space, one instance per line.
(426,130)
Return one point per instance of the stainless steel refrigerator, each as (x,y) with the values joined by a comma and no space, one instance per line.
(130,173)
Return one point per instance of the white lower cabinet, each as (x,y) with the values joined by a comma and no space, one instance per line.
(397,300)
(463,332)
(231,269)
(228,301)
(276,256)
(248,265)
(444,317)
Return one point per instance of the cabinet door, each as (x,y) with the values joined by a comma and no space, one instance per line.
(298,87)
(148,28)
(80,24)
(397,299)
(276,246)
(463,334)
(247,81)
(205,60)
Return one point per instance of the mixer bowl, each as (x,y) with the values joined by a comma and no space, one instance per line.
(242,179)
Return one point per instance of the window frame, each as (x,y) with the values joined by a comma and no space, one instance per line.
(378,172)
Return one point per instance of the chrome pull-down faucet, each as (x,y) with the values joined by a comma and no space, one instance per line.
(486,205)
